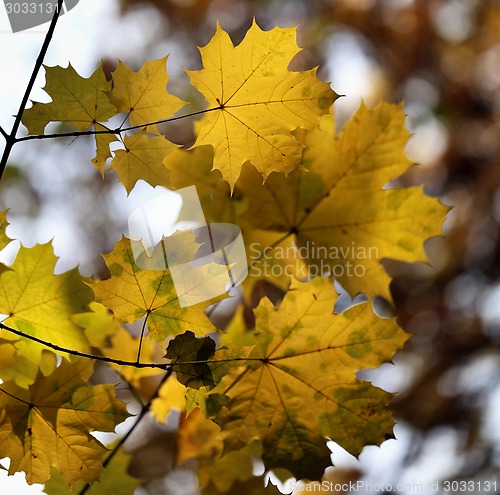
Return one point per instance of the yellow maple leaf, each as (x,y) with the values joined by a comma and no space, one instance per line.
(132,293)
(299,386)
(142,158)
(197,436)
(7,355)
(98,324)
(114,479)
(336,218)
(170,396)
(113,341)
(102,148)
(76,100)
(194,167)
(49,425)
(40,304)
(4,240)
(143,94)
(255,102)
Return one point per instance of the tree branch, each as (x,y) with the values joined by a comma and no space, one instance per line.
(119,362)
(11,139)
(163,366)
(118,130)
(145,409)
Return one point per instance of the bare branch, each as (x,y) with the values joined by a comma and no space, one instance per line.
(11,139)
(117,131)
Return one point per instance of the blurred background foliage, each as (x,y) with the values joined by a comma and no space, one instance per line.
(442,57)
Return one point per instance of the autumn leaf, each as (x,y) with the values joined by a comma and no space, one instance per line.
(75,99)
(102,148)
(7,355)
(143,94)
(299,386)
(336,218)
(4,240)
(132,293)
(197,437)
(40,304)
(200,438)
(114,479)
(142,158)
(194,167)
(255,102)
(49,425)
(170,396)
(107,334)
(125,347)
(98,324)
(186,350)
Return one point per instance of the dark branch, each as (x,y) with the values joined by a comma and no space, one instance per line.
(11,139)
(145,409)
(117,131)
(4,134)
(119,362)
(58,348)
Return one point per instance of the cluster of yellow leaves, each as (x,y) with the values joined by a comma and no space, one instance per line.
(309,202)
(299,383)
(258,101)
(255,104)
(40,304)
(337,212)
(48,425)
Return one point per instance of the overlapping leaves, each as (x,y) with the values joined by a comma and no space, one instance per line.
(299,384)
(259,101)
(133,293)
(335,217)
(40,304)
(290,384)
(49,425)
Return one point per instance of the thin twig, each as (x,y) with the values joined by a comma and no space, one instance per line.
(117,131)
(145,409)
(11,139)
(119,362)
(163,366)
